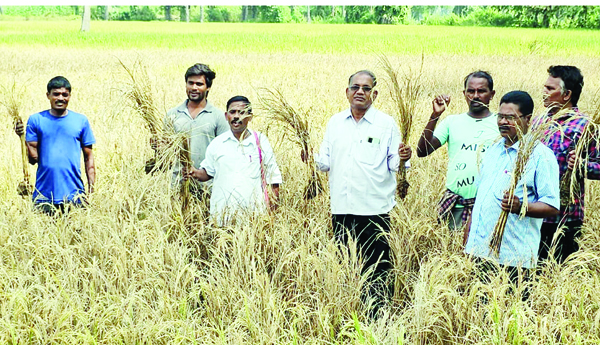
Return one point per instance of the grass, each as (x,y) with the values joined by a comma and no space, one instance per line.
(302,38)
(130,269)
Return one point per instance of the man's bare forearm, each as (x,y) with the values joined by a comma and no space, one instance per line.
(90,168)
(200,175)
(274,196)
(541,210)
(426,142)
(32,152)
(275,189)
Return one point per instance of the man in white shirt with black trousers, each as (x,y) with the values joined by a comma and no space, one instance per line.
(362,151)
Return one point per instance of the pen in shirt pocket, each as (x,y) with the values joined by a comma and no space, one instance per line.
(371,140)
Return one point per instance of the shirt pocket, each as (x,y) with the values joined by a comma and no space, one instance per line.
(525,186)
(502,184)
(369,151)
(252,166)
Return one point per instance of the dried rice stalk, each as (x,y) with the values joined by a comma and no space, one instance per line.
(170,146)
(140,94)
(186,163)
(295,122)
(405,92)
(13,106)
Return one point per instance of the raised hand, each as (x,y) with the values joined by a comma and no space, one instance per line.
(439,104)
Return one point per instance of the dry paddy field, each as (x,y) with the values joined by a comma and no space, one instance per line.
(129,270)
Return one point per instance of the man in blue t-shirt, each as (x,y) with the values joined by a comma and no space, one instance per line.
(55,139)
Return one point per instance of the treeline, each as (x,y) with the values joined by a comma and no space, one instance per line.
(507,16)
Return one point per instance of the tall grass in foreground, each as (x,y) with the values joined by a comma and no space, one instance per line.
(126,271)
(405,92)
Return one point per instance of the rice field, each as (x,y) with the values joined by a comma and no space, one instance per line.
(130,269)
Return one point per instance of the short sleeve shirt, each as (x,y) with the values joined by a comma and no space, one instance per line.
(236,171)
(209,124)
(540,182)
(467,140)
(60,141)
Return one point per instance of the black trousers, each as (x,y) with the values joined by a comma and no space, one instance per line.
(566,243)
(369,233)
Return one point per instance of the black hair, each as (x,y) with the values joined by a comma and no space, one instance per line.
(201,69)
(572,79)
(522,99)
(481,74)
(364,71)
(57,83)
(240,99)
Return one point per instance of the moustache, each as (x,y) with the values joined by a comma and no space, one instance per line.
(478,102)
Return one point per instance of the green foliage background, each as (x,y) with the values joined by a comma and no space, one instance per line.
(587,17)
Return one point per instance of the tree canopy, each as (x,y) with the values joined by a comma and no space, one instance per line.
(507,16)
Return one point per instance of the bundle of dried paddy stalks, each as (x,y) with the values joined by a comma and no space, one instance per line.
(295,122)
(186,163)
(405,92)
(140,94)
(541,126)
(13,106)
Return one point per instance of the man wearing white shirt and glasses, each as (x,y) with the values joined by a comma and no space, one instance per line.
(362,151)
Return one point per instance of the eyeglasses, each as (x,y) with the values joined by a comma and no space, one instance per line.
(355,88)
(509,118)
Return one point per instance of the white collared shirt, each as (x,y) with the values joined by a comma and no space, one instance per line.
(235,168)
(362,158)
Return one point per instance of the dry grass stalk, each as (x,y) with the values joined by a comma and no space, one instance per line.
(405,92)
(527,143)
(296,122)
(140,94)
(13,106)
(186,162)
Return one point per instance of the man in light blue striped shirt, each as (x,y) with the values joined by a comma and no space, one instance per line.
(519,246)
